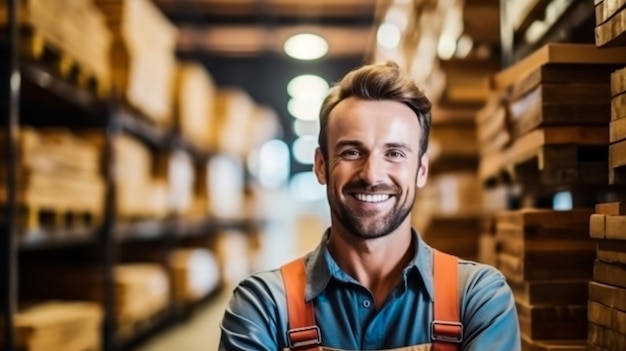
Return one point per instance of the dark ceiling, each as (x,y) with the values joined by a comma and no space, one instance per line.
(240,42)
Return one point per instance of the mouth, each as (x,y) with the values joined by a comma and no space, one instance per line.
(372,198)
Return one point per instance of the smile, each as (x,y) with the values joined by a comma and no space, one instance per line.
(372,198)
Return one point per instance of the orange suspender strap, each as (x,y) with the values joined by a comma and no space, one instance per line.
(303,333)
(446,328)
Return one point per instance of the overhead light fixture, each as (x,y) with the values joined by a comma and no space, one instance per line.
(304,109)
(308,86)
(306,46)
(388,36)
(446,47)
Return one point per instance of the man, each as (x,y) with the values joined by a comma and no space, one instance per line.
(372,283)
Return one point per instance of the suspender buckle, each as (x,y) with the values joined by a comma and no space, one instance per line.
(447,331)
(303,337)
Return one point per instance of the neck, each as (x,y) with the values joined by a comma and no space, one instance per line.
(376,263)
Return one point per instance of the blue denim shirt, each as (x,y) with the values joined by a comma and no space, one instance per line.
(344,310)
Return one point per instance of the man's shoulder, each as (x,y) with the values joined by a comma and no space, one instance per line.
(476,275)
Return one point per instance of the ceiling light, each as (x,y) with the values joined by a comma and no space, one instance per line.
(388,36)
(446,47)
(306,46)
(308,86)
(306,110)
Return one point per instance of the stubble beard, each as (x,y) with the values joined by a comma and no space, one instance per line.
(354,224)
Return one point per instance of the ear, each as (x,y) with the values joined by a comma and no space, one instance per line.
(320,166)
(422,172)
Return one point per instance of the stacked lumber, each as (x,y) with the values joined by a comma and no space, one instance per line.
(195,96)
(610,23)
(196,274)
(141,290)
(547,258)
(617,149)
(143,56)
(140,194)
(75,31)
(455,234)
(558,113)
(607,291)
(233,109)
(487,241)
(58,326)
(60,177)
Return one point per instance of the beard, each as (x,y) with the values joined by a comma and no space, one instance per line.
(357,223)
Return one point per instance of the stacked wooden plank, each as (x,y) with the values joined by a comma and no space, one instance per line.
(547,259)
(75,31)
(233,109)
(487,249)
(610,23)
(617,149)
(456,234)
(58,326)
(607,291)
(196,273)
(141,290)
(139,193)
(195,104)
(61,186)
(143,56)
(558,110)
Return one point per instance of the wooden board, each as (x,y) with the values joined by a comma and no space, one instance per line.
(607,317)
(597,226)
(617,208)
(618,130)
(525,247)
(618,82)
(607,9)
(617,154)
(606,338)
(555,292)
(544,218)
(611,251)
(553,345)
(545,267)
(562,104)
(613,32)
(609,274)
(618,107)
(616,227)
(608,295)
(558,53)
(552,322)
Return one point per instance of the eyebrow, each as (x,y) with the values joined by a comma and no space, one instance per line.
(344,143)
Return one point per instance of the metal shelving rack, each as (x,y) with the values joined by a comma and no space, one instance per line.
(29,90)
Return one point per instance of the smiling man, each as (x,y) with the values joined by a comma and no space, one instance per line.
(373,283)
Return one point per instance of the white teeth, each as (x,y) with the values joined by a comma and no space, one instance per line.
(372,198)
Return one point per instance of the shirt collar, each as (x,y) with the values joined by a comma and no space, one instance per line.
(321,267)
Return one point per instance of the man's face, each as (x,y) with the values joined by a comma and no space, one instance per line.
(371,170)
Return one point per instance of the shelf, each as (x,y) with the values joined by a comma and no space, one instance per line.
(49,241)
(158,323)
(47,100)
(211,226)
(142,230)
(142,129)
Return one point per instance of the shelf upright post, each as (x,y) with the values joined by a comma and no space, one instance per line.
(506,35)
(9,103)
(107,235)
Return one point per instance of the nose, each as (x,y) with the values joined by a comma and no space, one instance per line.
(372,170)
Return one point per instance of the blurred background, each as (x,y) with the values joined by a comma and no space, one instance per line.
(156,152)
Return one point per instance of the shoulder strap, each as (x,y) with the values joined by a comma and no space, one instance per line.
(303,334)
(446,328)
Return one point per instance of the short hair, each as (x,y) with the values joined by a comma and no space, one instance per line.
(383,81)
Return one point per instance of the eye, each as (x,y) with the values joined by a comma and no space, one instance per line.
(395,154)
(351,153)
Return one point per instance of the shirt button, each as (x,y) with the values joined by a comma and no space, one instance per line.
(366,303)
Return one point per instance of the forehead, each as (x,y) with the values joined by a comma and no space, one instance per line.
(373,121)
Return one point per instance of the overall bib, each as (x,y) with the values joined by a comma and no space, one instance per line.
(446,329)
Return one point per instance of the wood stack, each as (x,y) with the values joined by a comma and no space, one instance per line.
(58,326)
(143,56)
(75,31)
(141,290)
(61,187)
(233,109)
(456,234)
(195,104)
(558,111)
(617,149)
(610,23)
(196,274)
(607,291)
(547,259)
